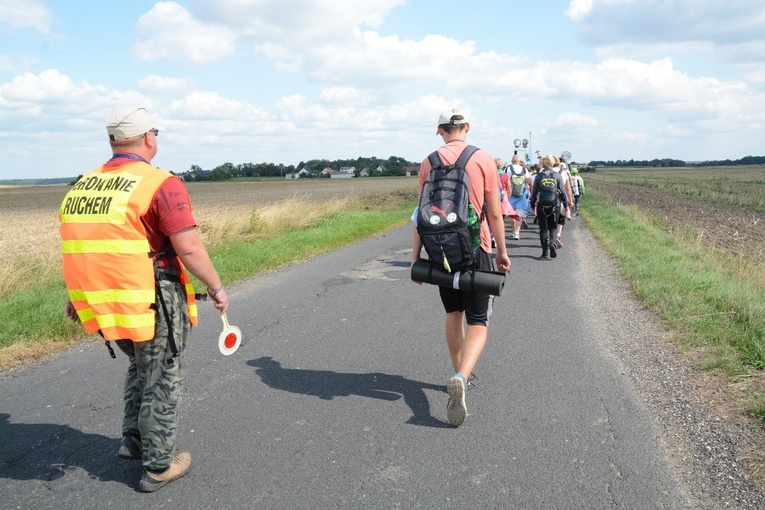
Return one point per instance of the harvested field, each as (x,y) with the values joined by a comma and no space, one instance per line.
(724,207)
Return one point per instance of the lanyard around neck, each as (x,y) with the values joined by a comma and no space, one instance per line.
(129,156)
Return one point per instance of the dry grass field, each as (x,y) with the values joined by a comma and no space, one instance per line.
(29,240)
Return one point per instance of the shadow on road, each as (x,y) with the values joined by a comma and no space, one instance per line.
(46,451)
(327,385)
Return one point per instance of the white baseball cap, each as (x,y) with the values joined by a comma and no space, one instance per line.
(129,122)
(446,117)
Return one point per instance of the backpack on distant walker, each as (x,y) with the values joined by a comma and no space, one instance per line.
(548,189)
(517,183)
(442,221)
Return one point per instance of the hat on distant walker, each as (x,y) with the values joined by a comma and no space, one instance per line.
(129,122)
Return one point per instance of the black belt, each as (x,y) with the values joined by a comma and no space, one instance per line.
(167,274)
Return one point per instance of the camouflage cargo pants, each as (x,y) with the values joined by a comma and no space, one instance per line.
(153,386)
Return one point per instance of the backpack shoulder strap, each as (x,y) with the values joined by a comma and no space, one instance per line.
(467,153)
(435,160)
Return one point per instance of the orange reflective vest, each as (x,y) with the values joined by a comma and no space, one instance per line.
(107,261)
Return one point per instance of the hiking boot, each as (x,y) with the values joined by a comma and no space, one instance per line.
(456,410)
(130,448)
(553,251)
(179,466)
(524,224)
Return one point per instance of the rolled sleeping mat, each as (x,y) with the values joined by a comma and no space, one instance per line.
(483,282)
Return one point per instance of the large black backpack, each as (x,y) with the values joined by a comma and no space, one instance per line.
(442,220)
(548,188)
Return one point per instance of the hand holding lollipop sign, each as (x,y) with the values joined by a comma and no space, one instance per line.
(230,337)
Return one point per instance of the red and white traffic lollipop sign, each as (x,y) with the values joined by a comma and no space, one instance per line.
(230,337)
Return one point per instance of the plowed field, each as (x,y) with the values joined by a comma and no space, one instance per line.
(724,207)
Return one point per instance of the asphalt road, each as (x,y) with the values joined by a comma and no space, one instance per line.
(336,399)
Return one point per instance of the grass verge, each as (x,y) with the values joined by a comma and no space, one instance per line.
(705,295)
(33,319)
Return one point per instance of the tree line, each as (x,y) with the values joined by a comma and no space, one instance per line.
(375,167)
(662,163)
(748,160)
(672,163)
(393,166)
(228,171)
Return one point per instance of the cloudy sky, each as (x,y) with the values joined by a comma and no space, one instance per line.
(288,80)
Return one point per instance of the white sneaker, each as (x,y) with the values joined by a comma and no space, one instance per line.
(456,410)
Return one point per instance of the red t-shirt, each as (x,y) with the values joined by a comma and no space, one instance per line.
(169,213)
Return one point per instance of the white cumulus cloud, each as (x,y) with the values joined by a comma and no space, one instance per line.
(45,88)
(52,102)
(285,30)
(294,20)
(575,120)
(731,30)
(579,9)
(169,32)
(211,105)
(26,14)
(154,83)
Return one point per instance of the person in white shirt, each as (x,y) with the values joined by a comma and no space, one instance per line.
(565,174)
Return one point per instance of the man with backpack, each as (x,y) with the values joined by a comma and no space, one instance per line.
(520,183)
(547,193)
(465,344)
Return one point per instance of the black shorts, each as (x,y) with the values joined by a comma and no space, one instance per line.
(548,218)
(477,307)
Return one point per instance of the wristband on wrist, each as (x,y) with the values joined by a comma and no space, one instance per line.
(215,292)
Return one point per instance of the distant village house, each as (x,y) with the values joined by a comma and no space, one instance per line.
(345,172)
